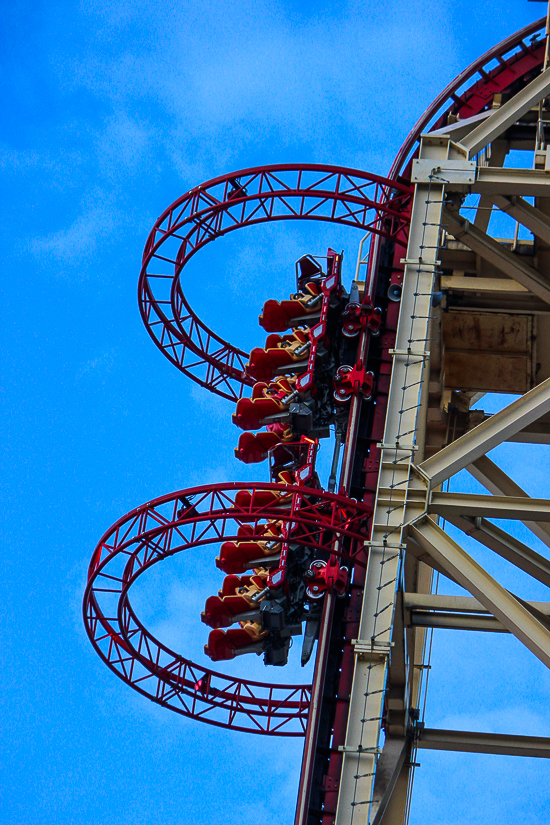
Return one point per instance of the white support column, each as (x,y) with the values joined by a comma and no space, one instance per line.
(385,548)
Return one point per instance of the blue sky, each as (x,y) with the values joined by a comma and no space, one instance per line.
(111,111)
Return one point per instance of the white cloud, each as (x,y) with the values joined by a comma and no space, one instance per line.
(123,144)
(75,244)
(102,362)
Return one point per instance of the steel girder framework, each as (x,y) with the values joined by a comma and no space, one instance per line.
(375,781)
(498,69)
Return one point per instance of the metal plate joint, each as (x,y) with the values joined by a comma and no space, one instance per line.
(448,171)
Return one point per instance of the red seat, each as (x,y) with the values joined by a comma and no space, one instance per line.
(254,448)
(280,315)
(281,353)
(264,498)
(223,645)
(236,596)
(231,584)
(267,399)
(222,612)
(237,556)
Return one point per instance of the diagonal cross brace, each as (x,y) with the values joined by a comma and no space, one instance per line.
(507,115)
(497,482)
(492,432)
(497,254)
(505,545)
(390,763)
(498,601)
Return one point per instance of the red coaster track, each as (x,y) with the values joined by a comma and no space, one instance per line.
(153,532)
(267,193)
(499,68)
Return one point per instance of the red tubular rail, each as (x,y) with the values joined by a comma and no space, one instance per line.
(153,532)
(269,193)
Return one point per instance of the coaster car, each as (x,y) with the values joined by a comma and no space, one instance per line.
(280,315)
(267,399)
(238,556)
(282,353)
(238,595)
(223,645)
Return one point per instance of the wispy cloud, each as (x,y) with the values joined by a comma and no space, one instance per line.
(100,363)
(77,243)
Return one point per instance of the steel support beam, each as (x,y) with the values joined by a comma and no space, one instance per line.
(497,254)
(537,433)
(499,150)
(419,553)
(498,601)
(395,752)
(507,115)
(526,214)
(466,284)
(396,809)
(508,181)
(461,128)
(411,355)
(455,604)
(450,505)
(497,482)
(474,742)
(457,612)
(490,433)
(505,545)
(456,621)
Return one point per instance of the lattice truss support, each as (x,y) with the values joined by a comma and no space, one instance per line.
(452,163)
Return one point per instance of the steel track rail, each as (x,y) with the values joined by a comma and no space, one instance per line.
(514,58)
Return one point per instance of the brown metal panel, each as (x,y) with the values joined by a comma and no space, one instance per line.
(488,351)
(487,371)
(487,331)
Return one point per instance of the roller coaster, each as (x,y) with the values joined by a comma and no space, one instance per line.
(386,366)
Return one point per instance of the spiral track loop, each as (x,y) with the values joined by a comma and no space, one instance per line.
(157,530)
